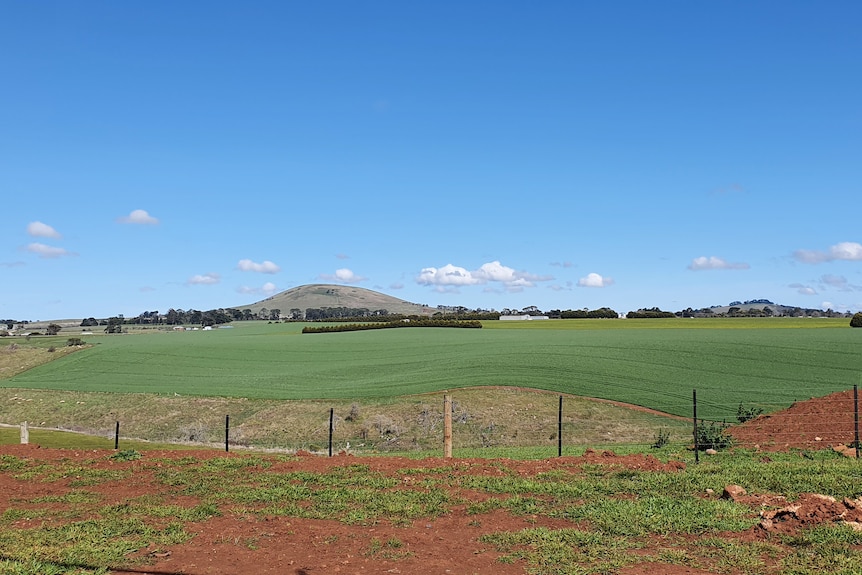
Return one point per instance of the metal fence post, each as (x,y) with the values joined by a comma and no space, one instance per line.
(856,419)
(694,419)
(331,421)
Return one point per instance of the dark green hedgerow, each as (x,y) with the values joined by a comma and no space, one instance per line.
(393,324)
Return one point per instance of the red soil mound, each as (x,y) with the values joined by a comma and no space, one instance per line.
(819,423)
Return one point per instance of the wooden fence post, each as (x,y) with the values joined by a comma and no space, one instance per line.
(25,433)
(560,429)
(447,426)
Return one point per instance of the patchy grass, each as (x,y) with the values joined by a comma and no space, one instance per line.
(596,516)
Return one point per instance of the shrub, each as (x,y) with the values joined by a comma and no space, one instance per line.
(856,320)
(744,414)
(73,341)
(354,413)
(712,436)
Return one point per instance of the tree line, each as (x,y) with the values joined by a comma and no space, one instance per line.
(417,322)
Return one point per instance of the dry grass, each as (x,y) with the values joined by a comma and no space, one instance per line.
(15,358)
(483,417)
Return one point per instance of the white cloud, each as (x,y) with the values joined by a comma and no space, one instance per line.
(714,263)
(266,267)
(803,289)
(848,251)
(839,282)
(138,217)
(397,285)
(204,279)
(40,230)
(344,276)
(45,251)
(450,275)
(342,256)
(266,289)
(595,280)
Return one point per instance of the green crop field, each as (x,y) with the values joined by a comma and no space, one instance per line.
(654,363)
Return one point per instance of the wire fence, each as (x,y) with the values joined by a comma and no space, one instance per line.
(546,423)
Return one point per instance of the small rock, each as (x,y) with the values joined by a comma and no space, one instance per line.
(733,492)
(711,451)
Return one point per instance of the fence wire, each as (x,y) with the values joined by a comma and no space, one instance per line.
(554,425)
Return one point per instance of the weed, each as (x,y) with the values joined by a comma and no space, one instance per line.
(660,439)
(126,455)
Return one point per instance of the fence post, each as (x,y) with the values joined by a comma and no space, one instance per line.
(856,418)
(226,433)
(694,419)
(25,433)
(560,429)
(117,436)
(447,426)
(331,420)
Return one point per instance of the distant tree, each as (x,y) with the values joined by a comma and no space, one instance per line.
(10,324)
(856,320)
(115,325)
(275,314)
(52,329)
(89,322)
(246,314)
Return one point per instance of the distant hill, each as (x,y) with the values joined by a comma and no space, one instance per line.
(332,296)
(742,308)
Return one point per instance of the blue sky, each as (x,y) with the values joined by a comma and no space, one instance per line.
(486,154)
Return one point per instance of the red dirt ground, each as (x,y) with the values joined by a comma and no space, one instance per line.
(819,423)
(445,545)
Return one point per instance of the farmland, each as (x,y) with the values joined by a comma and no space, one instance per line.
(652,363)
